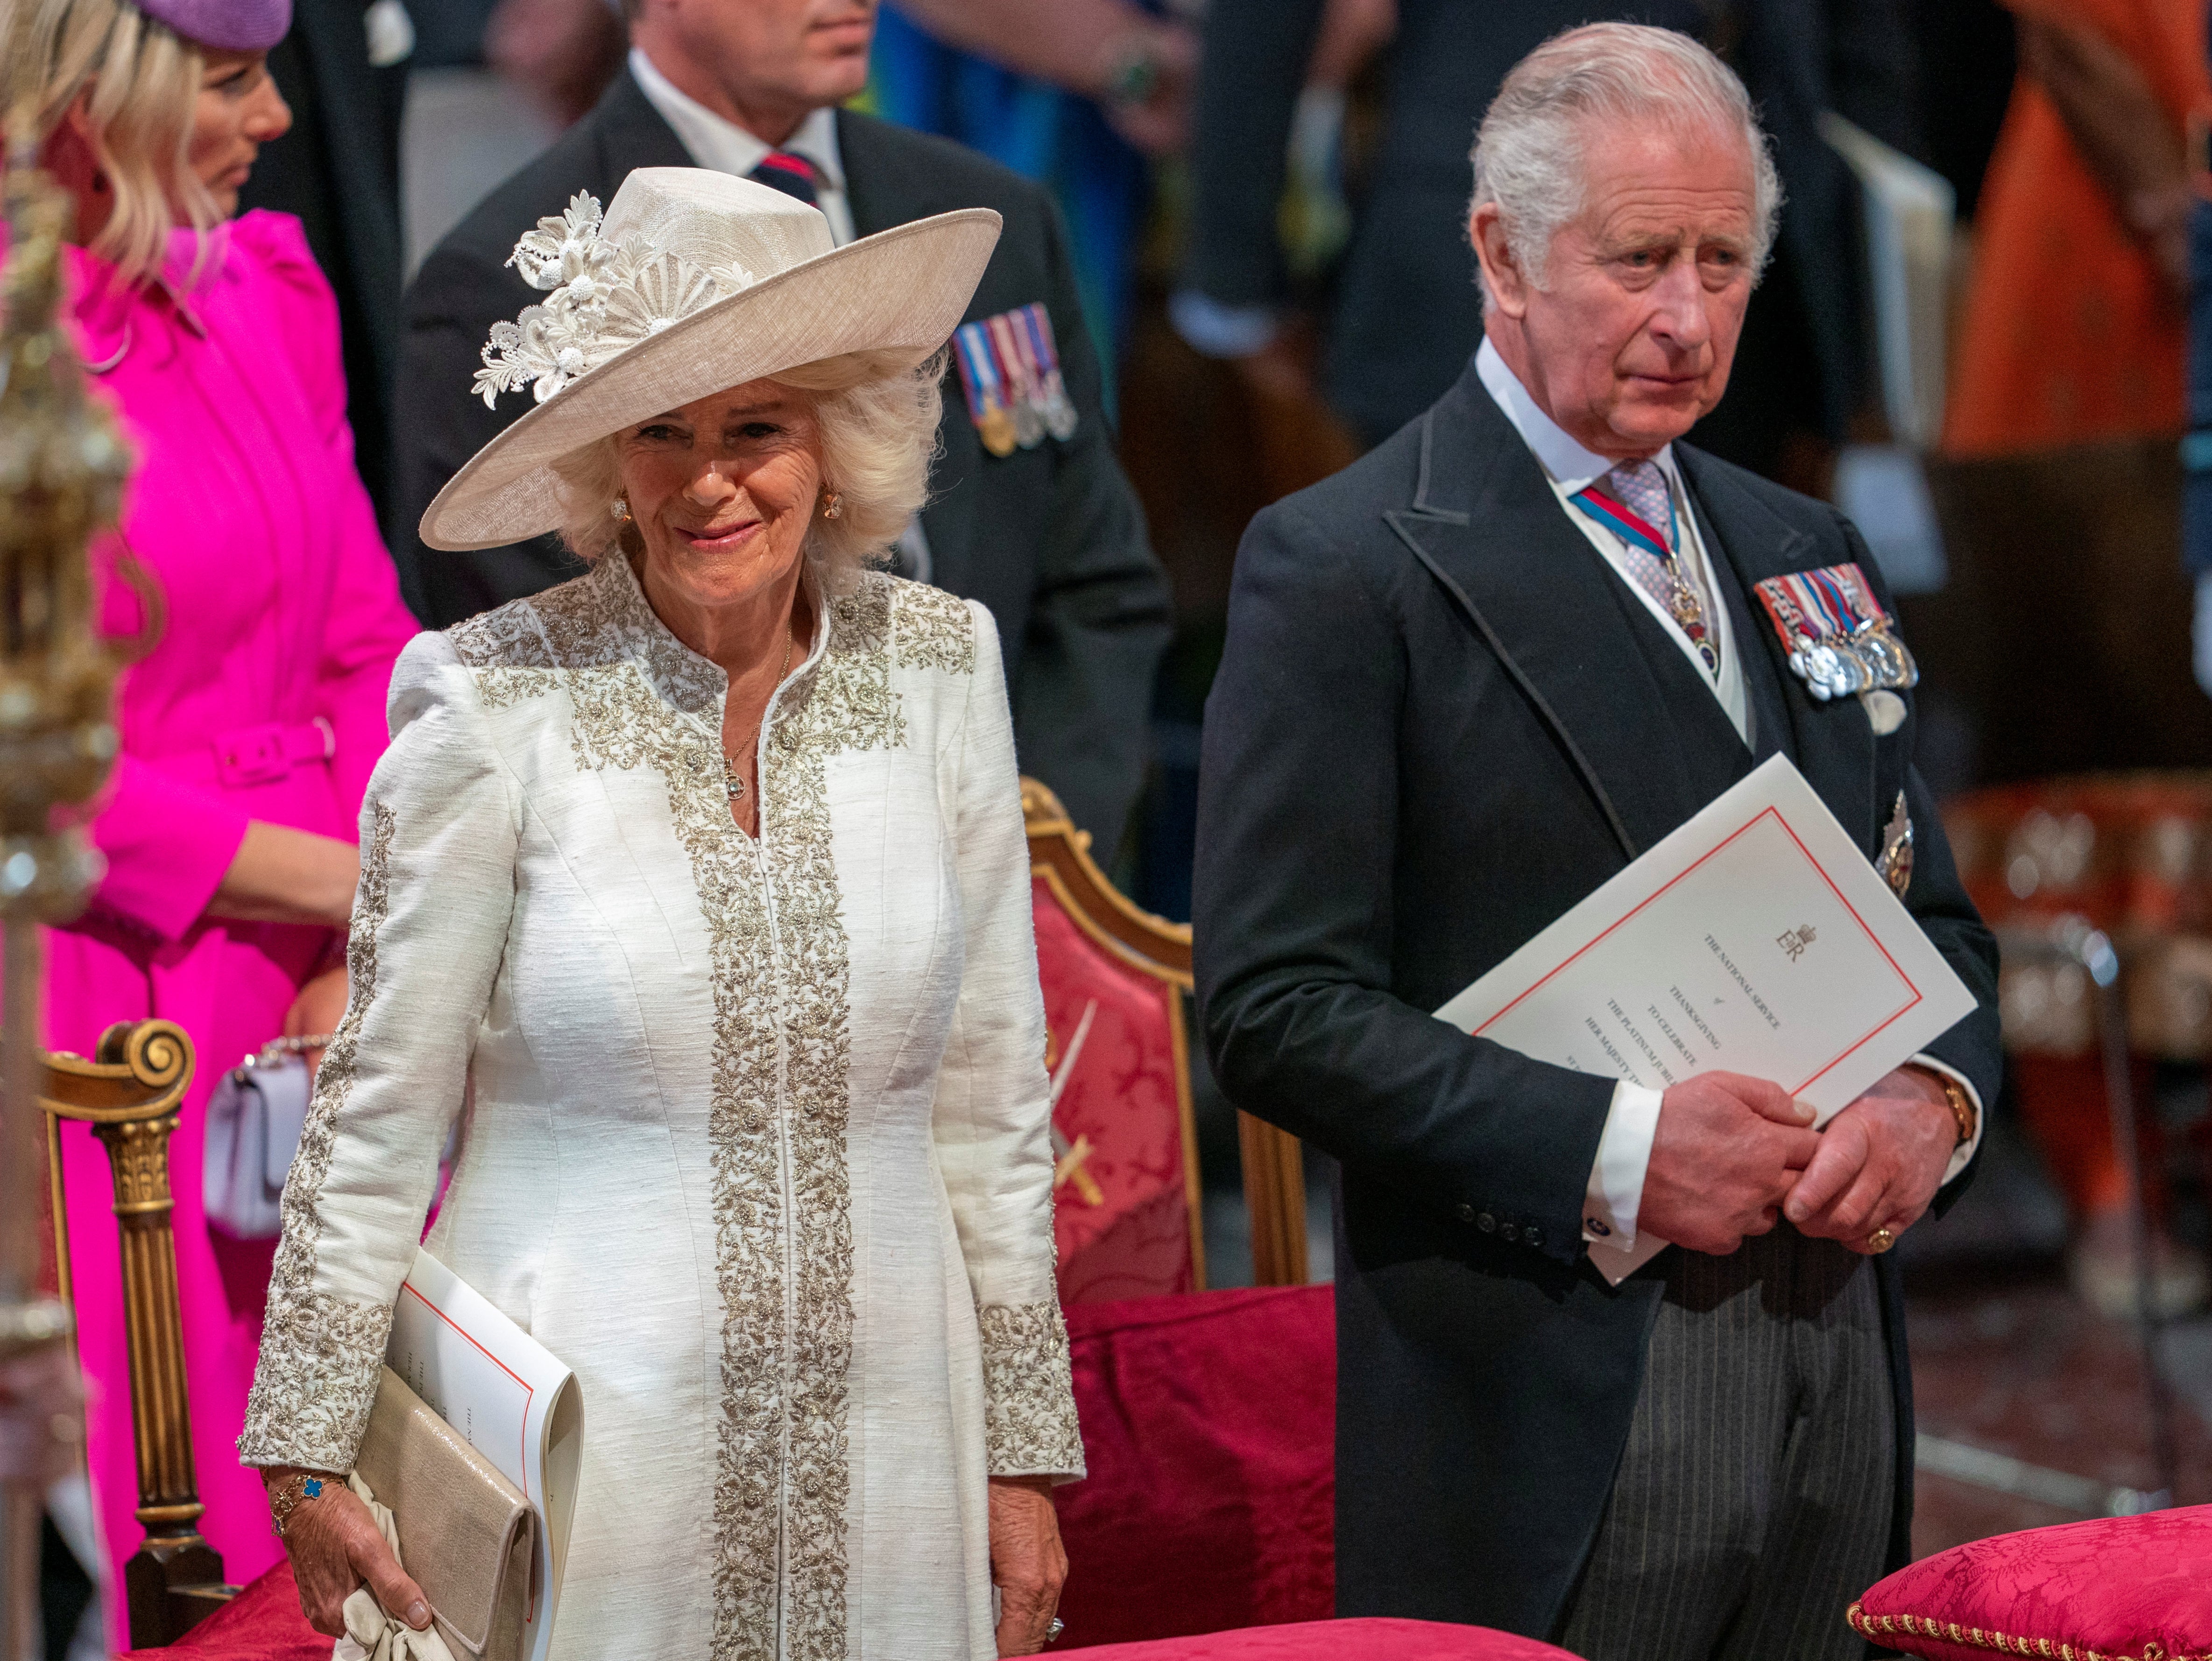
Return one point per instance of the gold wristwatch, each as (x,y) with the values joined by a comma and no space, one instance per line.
(1962,1108)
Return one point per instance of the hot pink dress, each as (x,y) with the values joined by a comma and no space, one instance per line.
(279,618)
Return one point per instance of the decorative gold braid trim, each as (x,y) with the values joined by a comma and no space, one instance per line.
(1884,1626)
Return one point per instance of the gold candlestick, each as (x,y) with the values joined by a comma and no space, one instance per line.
(62,468)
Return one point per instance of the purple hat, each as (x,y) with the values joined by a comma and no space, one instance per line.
(226,25)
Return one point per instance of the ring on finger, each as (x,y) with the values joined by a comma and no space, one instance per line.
(1880,1240)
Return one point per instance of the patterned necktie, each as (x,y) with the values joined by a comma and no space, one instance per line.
(785,171)
(1653,557)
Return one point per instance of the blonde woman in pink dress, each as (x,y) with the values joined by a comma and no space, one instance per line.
(251,728)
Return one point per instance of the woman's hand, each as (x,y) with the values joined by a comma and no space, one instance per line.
(318,1009)
(1028,1563)
(334,1547)
(284,876)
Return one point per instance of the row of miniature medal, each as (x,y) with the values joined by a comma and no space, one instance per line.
(1010,371)
(1840,637)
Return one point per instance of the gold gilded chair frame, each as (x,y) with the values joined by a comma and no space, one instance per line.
(129,1094)
(1275,1174)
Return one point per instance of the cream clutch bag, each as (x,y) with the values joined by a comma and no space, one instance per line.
(465,1530)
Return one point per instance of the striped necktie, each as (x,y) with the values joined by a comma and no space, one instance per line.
(788,171)
(1639,509)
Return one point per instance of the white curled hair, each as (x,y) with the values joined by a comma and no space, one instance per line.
(1527,152)
(877,416)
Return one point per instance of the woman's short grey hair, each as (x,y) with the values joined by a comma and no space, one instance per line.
(877,416)
(1527,152)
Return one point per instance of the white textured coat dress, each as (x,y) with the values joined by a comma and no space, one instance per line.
(759,1141)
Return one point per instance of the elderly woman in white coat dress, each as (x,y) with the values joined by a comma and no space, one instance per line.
(706,872)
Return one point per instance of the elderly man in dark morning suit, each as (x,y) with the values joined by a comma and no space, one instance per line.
(1452,704)
(1805,333)
(1049,537)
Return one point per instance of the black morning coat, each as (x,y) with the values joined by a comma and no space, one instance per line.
(1441,720)
(1052,539)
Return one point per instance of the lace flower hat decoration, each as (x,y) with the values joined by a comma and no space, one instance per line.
(692,282)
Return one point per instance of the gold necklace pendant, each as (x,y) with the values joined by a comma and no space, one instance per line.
(732,780)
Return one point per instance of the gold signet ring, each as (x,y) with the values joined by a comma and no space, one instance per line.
(1881,1241)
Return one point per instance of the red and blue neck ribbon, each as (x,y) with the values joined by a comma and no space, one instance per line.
(1627,524)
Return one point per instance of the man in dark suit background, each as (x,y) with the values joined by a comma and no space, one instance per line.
(1453,703)
(1802,350)
(1049,536)
(343,70)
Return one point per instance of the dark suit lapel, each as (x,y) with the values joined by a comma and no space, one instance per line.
(631,134)
(869,186)
(1833,744)
(1646,733)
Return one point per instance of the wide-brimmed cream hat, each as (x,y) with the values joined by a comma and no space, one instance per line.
(694,281)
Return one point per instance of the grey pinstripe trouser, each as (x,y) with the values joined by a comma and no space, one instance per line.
(1753,1499)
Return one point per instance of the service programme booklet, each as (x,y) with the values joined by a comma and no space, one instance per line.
(509,1397)
(1756,938)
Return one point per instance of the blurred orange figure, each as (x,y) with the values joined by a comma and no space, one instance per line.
(2073,329)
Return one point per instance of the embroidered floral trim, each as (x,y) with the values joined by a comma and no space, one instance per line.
(321,1360)
(936,630)
(320,1354)
(1028,1392)
(1877,1627)
(607,295)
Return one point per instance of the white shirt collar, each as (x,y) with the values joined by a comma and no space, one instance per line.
(1571,467)
(717,141)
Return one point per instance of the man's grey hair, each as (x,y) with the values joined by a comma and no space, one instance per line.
(1527,152)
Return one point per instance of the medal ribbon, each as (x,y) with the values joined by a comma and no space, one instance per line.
(1014,359)
(979,371)
(1625,522)
(1033,323)
(1638,532)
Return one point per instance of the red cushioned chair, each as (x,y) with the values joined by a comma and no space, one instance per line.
(1126,1181)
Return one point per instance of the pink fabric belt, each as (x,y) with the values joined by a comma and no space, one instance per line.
(262,755)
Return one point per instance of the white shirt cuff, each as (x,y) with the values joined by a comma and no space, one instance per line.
(1616,1178)
(1964,1153)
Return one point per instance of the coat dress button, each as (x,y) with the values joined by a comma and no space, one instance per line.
(1509,1233)
(1466,1214)
(1486,1223)
(1532,1236)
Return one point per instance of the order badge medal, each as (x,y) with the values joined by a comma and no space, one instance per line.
(1010,372)
(1839,638)
(1895,864)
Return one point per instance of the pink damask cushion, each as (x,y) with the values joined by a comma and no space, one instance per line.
(2119,1589)
(1340,1641)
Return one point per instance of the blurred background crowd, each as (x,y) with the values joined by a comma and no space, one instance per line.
(1974,337)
